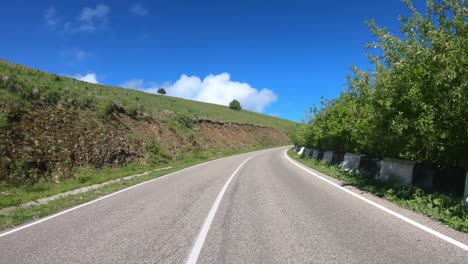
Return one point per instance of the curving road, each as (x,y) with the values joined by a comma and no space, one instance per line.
(257,207)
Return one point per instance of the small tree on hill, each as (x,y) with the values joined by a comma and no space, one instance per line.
(235,105)
(161,91)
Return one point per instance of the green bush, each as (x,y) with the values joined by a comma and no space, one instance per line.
(109,107)
(414,103)
(185,121)
(235,105)
(153,147)
(161,91)
(52,96)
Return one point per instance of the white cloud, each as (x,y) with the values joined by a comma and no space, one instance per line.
(92,18)
(217,89)
(51,18)
(90,77)
(220,89)
(88,20)
(139,10)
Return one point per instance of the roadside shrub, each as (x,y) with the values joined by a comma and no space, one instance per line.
(157,154)
(22,174)
(153,147)
(414,103)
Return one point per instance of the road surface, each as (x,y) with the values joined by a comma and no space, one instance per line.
(257,207)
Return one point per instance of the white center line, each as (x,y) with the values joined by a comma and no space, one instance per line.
(193,257)
(385,209)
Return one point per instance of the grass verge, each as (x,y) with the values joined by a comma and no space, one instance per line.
(435,205)
(12,195)
(22,215)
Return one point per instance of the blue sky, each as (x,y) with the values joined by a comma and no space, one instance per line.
(275,57)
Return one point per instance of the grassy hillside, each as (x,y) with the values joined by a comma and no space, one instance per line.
(51,127)
(53,88)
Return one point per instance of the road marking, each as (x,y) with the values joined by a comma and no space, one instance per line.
(385,209)
(193,257)
(102,198)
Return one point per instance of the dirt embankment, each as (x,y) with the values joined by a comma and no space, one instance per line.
(52,141)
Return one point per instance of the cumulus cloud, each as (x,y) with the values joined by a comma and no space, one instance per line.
(89,19)
(216,89)
(139,10)
(90,77)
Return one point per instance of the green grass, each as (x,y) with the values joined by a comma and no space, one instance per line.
(437,206)
(21,195)
(23,215)
(52,89)
(16,195)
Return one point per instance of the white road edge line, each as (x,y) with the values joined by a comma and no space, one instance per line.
(102,198)
(197,247)
(385,209)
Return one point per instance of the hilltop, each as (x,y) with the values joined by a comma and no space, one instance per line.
(51,125)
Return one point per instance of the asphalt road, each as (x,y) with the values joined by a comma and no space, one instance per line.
(263,210)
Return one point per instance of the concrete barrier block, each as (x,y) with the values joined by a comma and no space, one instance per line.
(317,154)
(450,180)
(328,156)
(397,170)
(307,153)
(424,175)
(333,157)
(369,166)
(301,151)
(466,187)
(338,158)
(351,162)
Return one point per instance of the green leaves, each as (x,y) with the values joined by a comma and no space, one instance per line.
(235,105)
(414,103)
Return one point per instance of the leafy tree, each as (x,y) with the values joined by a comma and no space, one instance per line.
(161,91)
(421,86)
(414,104)
(235,105)
(297,136)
